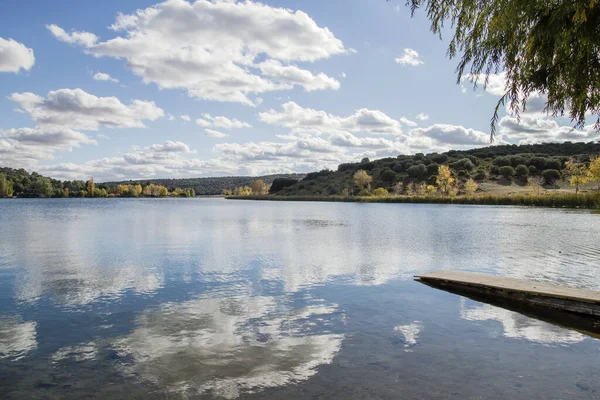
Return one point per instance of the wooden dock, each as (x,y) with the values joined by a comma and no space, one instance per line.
(537,294)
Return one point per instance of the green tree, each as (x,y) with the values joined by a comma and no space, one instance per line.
(507,171)
(547,46)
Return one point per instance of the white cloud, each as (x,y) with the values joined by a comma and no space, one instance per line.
(215,134)
(185,117)
(85,39)
(77,109)
(454,135)
(494,84)
(211,48)
(221,122)
(60,117)
(289,75)
(539,128)
(408,122)
(101,76)
(171,147)
(15,56)
(343,75)
(296,117)
(410,57)
(422,117)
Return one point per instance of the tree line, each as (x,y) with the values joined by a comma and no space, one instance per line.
(20,183)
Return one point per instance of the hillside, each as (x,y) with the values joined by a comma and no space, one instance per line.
(20,183)
(208,186)
(494,168)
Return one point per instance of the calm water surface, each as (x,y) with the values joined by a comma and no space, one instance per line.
(192,298)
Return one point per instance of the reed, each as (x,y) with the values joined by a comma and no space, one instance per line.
(553,200)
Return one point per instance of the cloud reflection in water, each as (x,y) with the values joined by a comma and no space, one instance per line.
(228,345)
(517,326)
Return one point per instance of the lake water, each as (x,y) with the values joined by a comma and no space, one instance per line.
(186,298)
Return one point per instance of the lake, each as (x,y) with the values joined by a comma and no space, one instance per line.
(186,298)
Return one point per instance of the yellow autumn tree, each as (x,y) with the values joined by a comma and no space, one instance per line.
(421,189)
(91,187)
(594,171)
(578,172)
(431,190)
(471,187)
(445,180)
(259,187)
(398,187)
(362,179)
(6,187)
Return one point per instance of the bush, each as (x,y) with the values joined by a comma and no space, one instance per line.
(480,175)
(464,164)
(388,176)
(417,171)
(398,167)
(363,192)
(507,171)
(438,158)
(522,170)
(281,183)
(554,164)
(432,169)
(502,161)
(550,176)
(379,192)
(533,170)
(347,167)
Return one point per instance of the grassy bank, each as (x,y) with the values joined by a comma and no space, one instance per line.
(555,200)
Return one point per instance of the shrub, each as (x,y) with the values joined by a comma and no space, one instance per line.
(432,169)
(550,176)
(522,170)
(417,171)
(388,176)
(398,167)
(347,167)
(379,192)
(464,164)
(281,183)
(554,164)
(502,161)
(363,192)
(507,171)
(533,170)
(480,174)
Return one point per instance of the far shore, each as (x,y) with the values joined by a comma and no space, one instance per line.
(590,200)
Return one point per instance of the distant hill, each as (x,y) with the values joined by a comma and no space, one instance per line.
(207,186)
(21,183)
(545,163)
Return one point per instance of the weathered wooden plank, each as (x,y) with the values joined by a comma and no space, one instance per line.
(536,293)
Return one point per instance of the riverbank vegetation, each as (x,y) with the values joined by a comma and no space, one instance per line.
(551,175)
(20,183)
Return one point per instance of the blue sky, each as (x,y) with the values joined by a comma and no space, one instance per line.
(100,88)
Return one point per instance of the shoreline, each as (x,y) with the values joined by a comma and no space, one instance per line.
(590,201)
